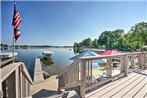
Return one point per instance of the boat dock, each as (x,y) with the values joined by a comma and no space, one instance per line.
(38,72)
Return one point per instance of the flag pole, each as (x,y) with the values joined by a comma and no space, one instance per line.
(13,39)
(13,47)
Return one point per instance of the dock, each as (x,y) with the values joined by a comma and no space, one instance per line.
(38,72)
(47,88)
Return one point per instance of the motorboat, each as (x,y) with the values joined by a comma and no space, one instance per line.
(7,55)
(47,57)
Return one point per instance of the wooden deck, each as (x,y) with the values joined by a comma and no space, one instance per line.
(133,86)
(38,72)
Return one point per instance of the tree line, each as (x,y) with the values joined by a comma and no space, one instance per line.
(135,38)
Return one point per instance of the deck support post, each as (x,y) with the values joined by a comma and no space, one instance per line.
(20,82)
(140,60)
(145,60)
(132,61)
(1,92)
(109,68)
(83,79)
(122,64)
(126,64)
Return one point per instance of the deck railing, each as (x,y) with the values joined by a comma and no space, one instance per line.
(71,77)
(82,72)
(15,81)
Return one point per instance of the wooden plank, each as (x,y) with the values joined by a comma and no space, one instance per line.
(105,89)
(38,72)
(69,67)
(140,89)
(142,93)
(131,88)
(74,84)
(105,93)
(9,69)
(26,73)
(145,96)
(83,79)
(110,84)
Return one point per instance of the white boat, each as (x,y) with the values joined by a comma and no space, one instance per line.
(47,54)
(47,57)
(7,54)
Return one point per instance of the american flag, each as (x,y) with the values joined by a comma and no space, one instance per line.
(17,34)
(16,22)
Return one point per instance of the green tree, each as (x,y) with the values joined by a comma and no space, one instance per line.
(111,39)
(76,45)
(95,43)
(87,43)
(104,39)
(138,35)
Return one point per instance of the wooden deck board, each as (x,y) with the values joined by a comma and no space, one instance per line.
(122,89)
(127,87)
(145,96)
(112,83)
(142,92)
(116,87)
(131,89)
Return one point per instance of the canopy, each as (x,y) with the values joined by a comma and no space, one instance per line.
(110,52)
(87,53)
(84,54)
(47,53)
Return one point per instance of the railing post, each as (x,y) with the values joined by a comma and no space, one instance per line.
(122,63)
(17,83)
(83,79)
(139,60)
(1,92)
(145,60)
(20,82)
(109,67)
(126,64)
(132,61)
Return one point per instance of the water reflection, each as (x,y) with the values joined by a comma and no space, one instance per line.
(61,58)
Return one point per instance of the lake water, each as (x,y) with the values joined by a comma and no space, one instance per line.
(60,58)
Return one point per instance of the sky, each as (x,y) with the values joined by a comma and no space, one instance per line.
(61,23)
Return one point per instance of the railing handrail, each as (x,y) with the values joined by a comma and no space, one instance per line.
(85,58)
(93,58)
(107,56)
(24,71)
(67,78)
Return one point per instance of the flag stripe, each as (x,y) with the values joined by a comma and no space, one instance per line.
(17,23)
(16,18)
(17,14)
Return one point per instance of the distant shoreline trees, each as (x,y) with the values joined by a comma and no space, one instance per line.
(135,38)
